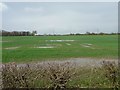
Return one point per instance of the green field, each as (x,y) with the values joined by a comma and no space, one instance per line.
(37,48)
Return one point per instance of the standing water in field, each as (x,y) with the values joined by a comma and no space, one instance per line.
(88,62)
(60,40)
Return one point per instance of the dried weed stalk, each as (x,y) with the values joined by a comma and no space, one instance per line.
(111,72)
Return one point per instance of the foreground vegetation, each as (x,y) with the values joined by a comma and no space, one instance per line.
(32,48)
(60,75)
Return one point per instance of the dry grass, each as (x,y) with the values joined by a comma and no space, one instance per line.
(15,76)
(19,77)
(111,72)
(59,75)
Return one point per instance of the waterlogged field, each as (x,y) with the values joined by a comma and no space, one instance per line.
(38,48)
(80,61)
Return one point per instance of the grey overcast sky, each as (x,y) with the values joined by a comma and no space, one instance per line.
(60,17)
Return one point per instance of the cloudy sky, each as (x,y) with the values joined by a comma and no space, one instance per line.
(60,17)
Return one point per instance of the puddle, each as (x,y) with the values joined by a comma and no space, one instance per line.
(45,47)
(68,44)
(87,45)
(87,62)
(11,48)
(84,45)
(60,40)
(4,41)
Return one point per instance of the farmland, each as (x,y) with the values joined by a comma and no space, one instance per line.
(20,54)
(38,48)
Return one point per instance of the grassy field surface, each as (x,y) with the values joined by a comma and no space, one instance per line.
(37,48)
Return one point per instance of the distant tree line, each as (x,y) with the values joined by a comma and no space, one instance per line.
(33,33)
(101,33)
(92,33)
(18,33)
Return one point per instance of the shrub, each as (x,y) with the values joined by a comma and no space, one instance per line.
(59,74)
(26,76)
(111,72)
(18,77)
